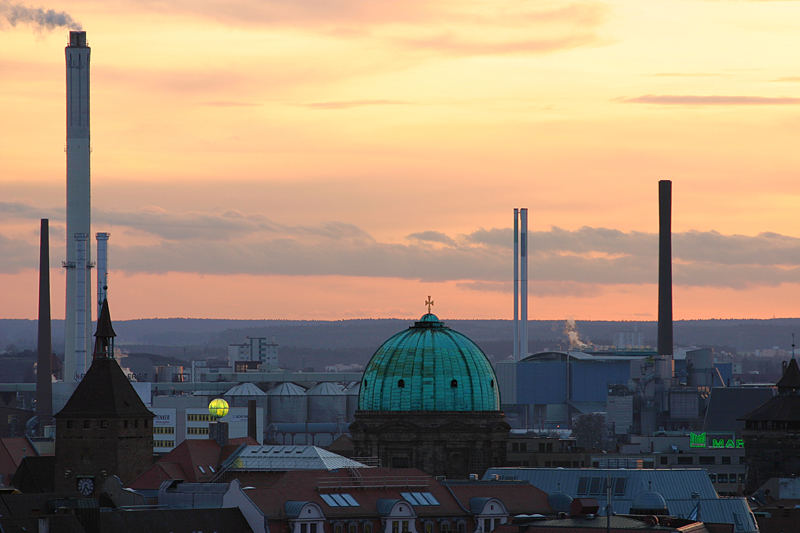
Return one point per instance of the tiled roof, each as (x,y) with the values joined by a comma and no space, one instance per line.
(183,462)
(791,376)
(519,497)
(104,392)
(728,405)
(366,486)
(781,408)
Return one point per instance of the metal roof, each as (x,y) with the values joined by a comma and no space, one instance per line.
(326,388)
(429,367)
(245,389)
(677,486)
(283,458)
(287,389)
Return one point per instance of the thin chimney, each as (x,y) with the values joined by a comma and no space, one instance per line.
(44,385)
(665,346)
(516,285)
(252,426)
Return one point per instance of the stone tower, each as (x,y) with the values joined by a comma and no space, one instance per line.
(105,428)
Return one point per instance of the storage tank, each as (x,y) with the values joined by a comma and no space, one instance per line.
(351,392)
(238,395)
(287,403)
(327,402)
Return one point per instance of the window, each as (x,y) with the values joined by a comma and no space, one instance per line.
(352,527)
(196,417)
(707,460)
(444,526)
(487,525)
(163,431)
(367,525)
(312,527)
(395,526)
(405,526)
(338,528)
(163,443)
(429,527)
(339,500)
(454,384)
(726,459)
(197,431)
(685,459)
(303,528)
(713,477)
(664,460)
(86,424)
(583,486)
(401,383)
(419,498)
(596,486)
(69,424)
(461,527)
(619,486)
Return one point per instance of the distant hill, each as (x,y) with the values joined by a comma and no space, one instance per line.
(318,343)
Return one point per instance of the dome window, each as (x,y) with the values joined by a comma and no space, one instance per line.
(401,383)
(365,382)
(491,383)
(454,383)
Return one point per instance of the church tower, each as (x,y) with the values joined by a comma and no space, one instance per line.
(772,432)
(105,428)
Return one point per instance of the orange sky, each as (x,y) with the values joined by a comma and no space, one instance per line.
(346,158)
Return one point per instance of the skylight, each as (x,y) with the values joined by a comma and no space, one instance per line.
(419,498)
(339,500)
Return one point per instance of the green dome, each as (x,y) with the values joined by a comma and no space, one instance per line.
(429,367)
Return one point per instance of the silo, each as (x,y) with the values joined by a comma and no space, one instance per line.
(238,395)
(287,403)
(327,402)
(351,393)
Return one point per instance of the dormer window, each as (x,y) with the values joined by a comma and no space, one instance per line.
(401,383)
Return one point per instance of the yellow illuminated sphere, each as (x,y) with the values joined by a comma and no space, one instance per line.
(218,408)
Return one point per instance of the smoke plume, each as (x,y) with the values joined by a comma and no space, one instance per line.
(37,17)
(571,331)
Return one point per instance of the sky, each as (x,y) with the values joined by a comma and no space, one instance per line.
(332,159)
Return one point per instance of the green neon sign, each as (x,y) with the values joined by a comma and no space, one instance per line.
(700,440)
(697,440)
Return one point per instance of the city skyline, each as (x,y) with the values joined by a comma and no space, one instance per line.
(348,159)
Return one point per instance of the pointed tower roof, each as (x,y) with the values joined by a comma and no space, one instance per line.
(104,392)
(104,327)
(790,381)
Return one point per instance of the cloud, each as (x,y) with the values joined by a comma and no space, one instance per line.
(574,262)
(450,44)
(711,100)
(432,236)
(352,103)
(792,79)
(40,19)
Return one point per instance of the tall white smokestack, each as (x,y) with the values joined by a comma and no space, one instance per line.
(516,284)
(78,202)
(523,248)
(102,269)
(81,305)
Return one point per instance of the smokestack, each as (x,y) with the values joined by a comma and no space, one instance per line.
(516,284)
(523,248)
(81,305)
(78,204)
(44,385)
(665,267)
(252,426)
(102,270)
